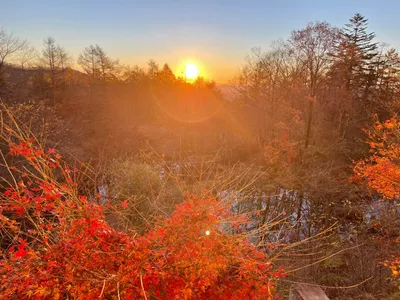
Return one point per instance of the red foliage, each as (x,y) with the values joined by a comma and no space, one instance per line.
(124,204)
(381,171)
(63,247)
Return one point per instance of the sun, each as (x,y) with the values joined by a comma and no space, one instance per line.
(191,71)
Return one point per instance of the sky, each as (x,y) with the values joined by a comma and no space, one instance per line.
(216,34)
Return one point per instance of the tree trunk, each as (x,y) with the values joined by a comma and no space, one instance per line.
(309,122)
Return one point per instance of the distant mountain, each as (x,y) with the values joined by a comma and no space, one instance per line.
(16,74)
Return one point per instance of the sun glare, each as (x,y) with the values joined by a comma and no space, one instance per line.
(191,71)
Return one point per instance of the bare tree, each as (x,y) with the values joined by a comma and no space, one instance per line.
(97,64)
(56,59)
(27,56)
(64,57)
(153,69)
(263,84)
(88,61)
(313,46)
(9,45)
(108,67)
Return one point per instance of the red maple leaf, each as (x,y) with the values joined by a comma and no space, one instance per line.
(21,252)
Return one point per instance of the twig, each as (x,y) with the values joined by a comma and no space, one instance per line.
(119,298)
(102,290)
(325,258)
(141,283)
(330,287)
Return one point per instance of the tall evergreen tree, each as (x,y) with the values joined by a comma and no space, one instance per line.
(166,76)
(356,53)
(353,77)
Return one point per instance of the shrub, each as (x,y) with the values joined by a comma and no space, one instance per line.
(60,245)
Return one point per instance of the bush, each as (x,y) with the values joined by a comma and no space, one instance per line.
(140,188)
(61,247)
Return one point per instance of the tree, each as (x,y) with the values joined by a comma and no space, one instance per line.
(152,70)
(355,53)
(135,75)
(166,76)
(352,85)
(264,87)
(26,57)
(108,67)
(55,59)
(97,64)
(313,46)
(9,46)
(89,63)
(386,94)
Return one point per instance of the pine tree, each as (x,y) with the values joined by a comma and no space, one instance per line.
(166,76)
(356,52)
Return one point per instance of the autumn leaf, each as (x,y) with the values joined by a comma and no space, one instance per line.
(21,252)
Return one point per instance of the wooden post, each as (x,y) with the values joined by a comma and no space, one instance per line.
(302,291)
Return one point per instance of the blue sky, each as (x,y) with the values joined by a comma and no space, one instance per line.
(218,34)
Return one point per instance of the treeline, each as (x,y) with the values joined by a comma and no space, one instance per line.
(105,102)
(50,70)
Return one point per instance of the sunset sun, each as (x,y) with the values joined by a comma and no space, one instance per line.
(191,71)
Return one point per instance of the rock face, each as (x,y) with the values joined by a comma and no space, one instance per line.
(300,291)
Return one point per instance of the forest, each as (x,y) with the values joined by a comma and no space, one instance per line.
(124,182)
